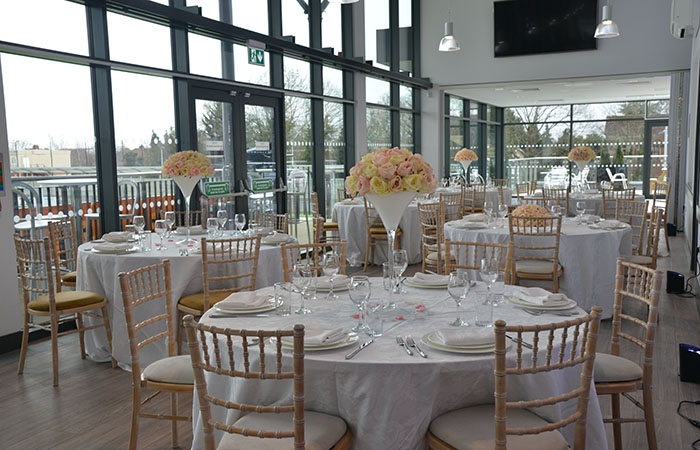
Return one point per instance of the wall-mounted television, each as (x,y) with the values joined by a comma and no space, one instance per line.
(526,27)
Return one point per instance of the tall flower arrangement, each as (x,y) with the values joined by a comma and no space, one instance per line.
(529,211)
(465,157)
(580,156)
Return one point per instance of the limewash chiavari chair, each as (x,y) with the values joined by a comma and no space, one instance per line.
(502,182)
(376,233)
(195,218)
(278,222)
(451,205)
(473,197)
(210,205)
(171,374)
(259,423)
(648,252)
(522,190)
(431,225)
(311,254)
(558,195)
(41,298)
(662,190)
(615,375)
(540,235)
(320,233)
(464,255)
(514,425)
(220,256)
(634,213)
(609,197)
(64,244)
(533,187)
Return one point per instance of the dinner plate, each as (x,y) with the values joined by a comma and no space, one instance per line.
(517,302)
(265,307)
(133,249)
(341,288)
(291,239)
(409,282)
(429,340)
(194,231)
(350,340)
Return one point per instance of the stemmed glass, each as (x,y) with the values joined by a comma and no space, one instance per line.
(580,210)
(160,227)
(169,221)
(489,274)
(239,222)
(331,267)
(301,278)
(445,182)
(139,223)
(400,266)
(457,287)
(359,295)
(488,209)
(221,218)
(502,211)
(212,225)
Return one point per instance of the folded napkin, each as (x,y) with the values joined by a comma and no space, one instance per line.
(196,229)
(479,217)
(430,279)
(539,296)
(338,281)
(465,337)
(116,236)
(111,247)
(324,337)
(610,223)
(276,238)
(243,300)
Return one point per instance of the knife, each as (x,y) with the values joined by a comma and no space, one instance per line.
(357,350)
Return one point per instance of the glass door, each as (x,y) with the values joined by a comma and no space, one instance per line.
(655,154)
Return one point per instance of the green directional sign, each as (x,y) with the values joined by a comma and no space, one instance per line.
(262,184)
(217,188)
(256,56)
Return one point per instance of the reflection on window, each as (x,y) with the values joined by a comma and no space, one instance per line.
(44,141)
(295,20)
(332,28)
(474,110)
(406,132)
(35,23)
(456,144)
(377,35)
(658,108)
(456,107)
(603,111)
(406,96)
(405,36)
(332,82)
(298,163)
(378,91)
(250,73)
(378,128)
(205,55)
(334,147)
(138,42)
(214,136)
(297,75)
(491,152)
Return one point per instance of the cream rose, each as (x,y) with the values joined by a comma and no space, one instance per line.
(378,186)
(413,182)
(370,170)
(386,171)
(405,168)
(396,184)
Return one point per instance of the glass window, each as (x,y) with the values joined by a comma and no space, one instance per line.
(297,75)
(214,136)
(456,144)
(250,73)
(456,107)
(377,35)
(658,108)
(474,141)
(406,97)
(144,130)
(44,140)
(474,110)
(35,23)
(332,82)
(405,36)
(334,147)
(205,55)
(378,91)
(210,8)
(250,15)
(332,28)
(295,21)
(298,158)
(491,113)
(536,151)
(604,111)
(138,42)
(530,114)
(491,152)
(378,128)
(406,131)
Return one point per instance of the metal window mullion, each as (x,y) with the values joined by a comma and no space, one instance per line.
(417,135)
(500,148)
(348,108)
(415,25)
(227,59)
(347,31)
(395,115)
(394,33)
(274,13)
(317,131)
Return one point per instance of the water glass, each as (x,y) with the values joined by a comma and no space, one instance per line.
(457,287)
(386,274)
(331,267)
(131,231)
(301,278)
(212,225)
(239,222)
(580,209)
(359,293)
(221,218)
(498,289)
(374,320)
(283,298)
(169,221)
(139,224)
(483,311)
(502,211)
(160,227)
(146,241)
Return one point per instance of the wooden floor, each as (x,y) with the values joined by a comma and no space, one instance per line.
(91,408)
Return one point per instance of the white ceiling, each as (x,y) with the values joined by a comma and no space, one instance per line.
(579,90)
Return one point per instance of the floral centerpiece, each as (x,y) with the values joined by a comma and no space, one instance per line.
(581,156)
(529,211)
(465,157)
(186,169)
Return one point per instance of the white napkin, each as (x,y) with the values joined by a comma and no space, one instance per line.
(195,229)
(338,281)
(111,247)
(243,300)
(465,337)
(324,337)
(610,223)
(478,217)
(539,296)
(116,236)
(430,279)
(276,238)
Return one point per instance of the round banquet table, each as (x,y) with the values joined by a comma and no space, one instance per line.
(594,202)
(98,272)
(387,397)
(588,256)
(350,216)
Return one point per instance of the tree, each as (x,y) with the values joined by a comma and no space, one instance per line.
(530,131)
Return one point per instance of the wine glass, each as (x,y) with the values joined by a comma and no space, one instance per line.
(551,206)
(445,182)
(580,210)
(301,278)
(489,273)
(130,230)
(139,223)
(239,222)
(502,211)
(457,287)
(331,267)
(160,227)
(488,209)
(221,218)
(169,221)
(400,266)
(359,294)
(212,225)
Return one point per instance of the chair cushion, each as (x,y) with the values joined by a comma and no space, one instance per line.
(321,431)
(69,277)
(473,429)
(66,300)
(610,368)
(174,369)
(330,225)
(196,301)
(638,259)
(534,266)
(434,256)
(382,230)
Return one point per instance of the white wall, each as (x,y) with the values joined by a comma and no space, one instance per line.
(10,311)
(691,163)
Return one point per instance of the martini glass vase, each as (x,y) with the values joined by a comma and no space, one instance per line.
(390,208)
(465,165)
(186,185)
(581,165)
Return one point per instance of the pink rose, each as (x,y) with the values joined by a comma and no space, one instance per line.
(396,152)
(405,168)
(426,167)
(417,161)
(380,158)
(357,170)
(386,171)
(363,185)
(396,184)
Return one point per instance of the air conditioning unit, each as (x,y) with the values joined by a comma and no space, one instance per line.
(681,18)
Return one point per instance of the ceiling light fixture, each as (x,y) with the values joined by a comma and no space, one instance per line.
(448,43)
(606,28)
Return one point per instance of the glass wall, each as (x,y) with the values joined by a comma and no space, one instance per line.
(377,35)
(334,145)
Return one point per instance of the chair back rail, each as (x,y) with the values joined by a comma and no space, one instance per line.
(64,243)
(431,222)
(293,254)
(473,197)
(451,205)
(468,255)
(633,213)
(609,197)
(558,195)
(35,266)
(279,222)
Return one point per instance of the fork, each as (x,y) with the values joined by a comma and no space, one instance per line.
(516,340)
(412,343)
(539,312)
(399,340)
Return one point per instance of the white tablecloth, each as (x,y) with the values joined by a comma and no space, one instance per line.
(594,202)
(98,272)
(588,257)
(387,397)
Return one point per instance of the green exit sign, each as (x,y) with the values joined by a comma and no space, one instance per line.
(256,56)
(262,184)
(217,188)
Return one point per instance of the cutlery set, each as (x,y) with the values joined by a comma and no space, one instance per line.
(539,312)
(409,342)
